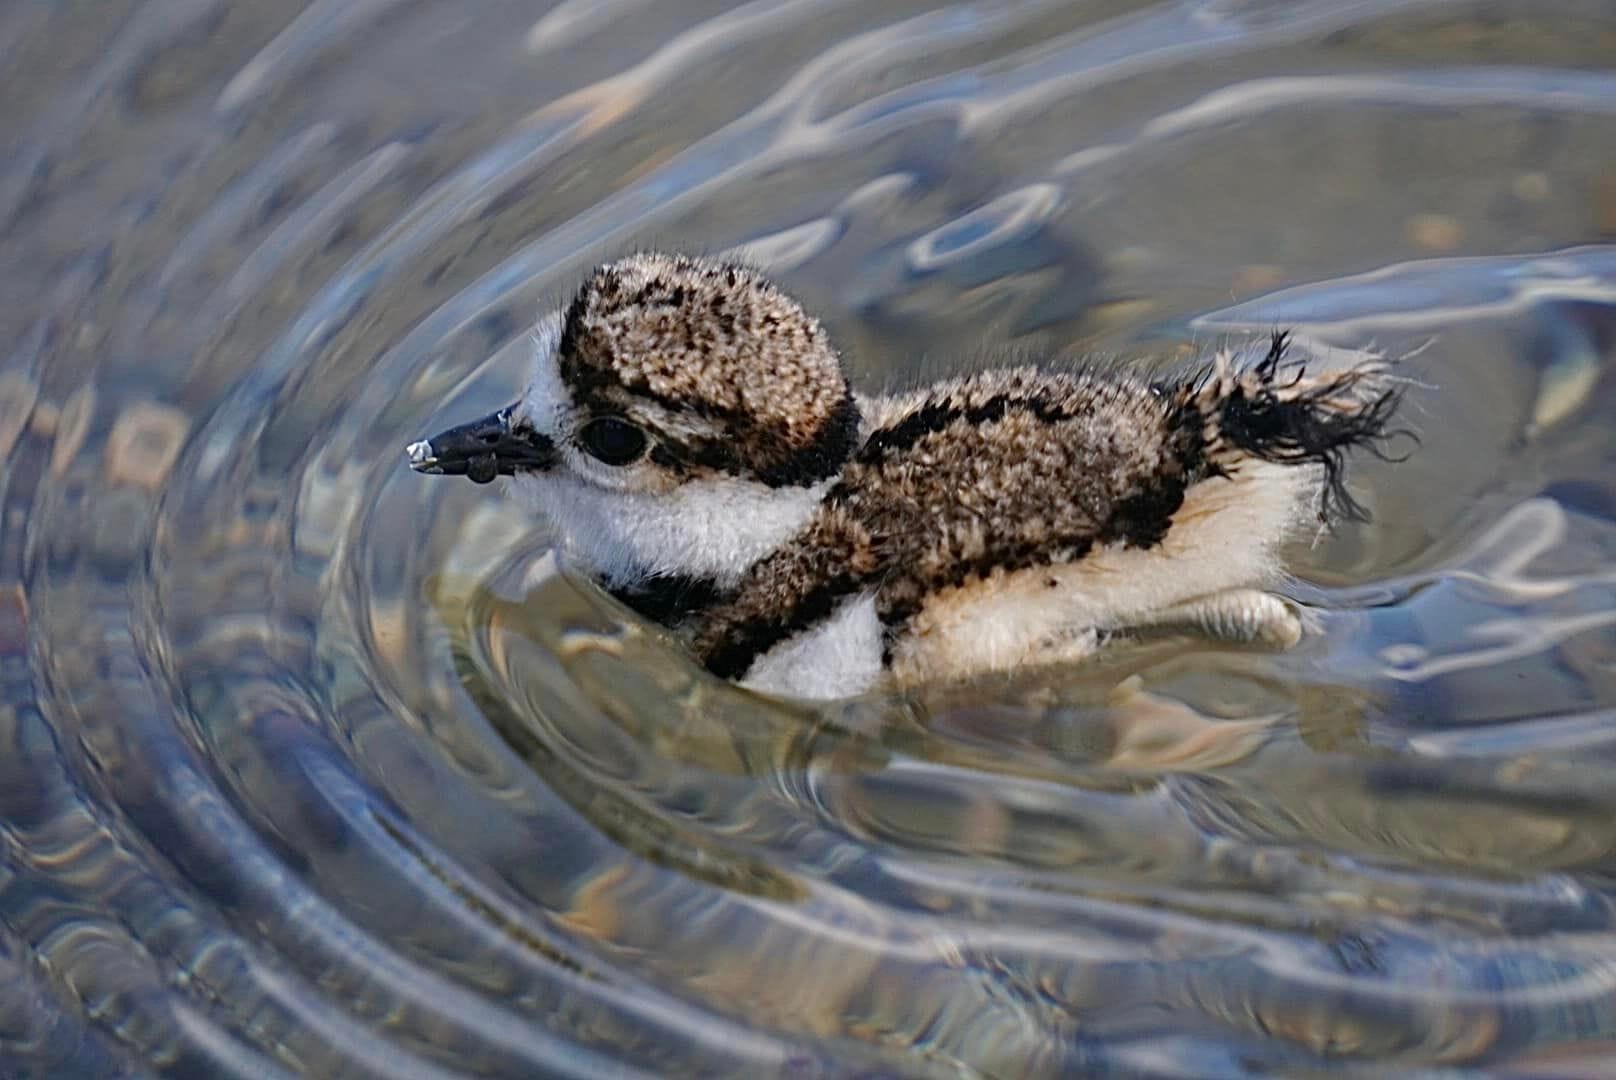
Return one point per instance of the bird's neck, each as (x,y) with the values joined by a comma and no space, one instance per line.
(661,552)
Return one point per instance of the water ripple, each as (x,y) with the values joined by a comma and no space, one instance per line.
(314,768)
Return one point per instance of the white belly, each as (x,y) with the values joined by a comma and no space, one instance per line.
(838,658)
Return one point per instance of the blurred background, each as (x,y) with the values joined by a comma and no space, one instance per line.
(309,766)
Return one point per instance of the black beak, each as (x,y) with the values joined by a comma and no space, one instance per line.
(482,450)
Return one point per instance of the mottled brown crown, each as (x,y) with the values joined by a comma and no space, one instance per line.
(741,378)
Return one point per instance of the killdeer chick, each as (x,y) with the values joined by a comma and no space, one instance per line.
(689,434)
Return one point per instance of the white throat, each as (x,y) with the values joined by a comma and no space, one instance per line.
(706,529)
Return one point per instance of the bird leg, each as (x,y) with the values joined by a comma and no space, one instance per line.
(1239,616)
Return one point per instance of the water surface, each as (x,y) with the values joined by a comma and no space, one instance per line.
(313,766)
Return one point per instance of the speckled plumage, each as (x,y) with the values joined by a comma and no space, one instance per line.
(992,473)
(1006,476)
(715,345)
(810,542)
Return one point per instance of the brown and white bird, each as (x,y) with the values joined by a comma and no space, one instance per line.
(690,436)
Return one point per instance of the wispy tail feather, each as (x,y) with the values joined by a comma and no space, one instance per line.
(1277,410)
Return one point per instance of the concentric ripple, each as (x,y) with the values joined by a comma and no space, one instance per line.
(313,767)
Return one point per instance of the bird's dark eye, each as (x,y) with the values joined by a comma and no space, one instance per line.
(613,440)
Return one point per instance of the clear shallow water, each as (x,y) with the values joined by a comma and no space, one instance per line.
(313,765)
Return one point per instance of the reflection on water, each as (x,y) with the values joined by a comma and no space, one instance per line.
(310,766)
